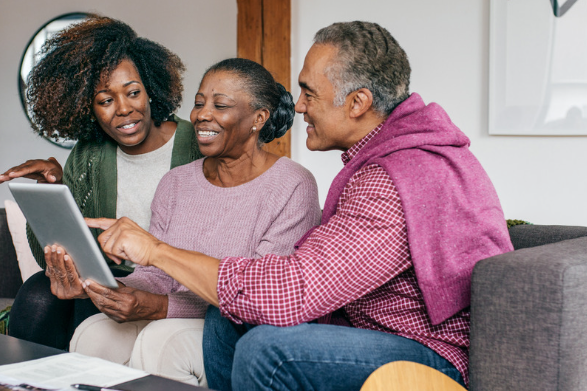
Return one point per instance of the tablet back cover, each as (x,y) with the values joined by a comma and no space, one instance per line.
(55,218)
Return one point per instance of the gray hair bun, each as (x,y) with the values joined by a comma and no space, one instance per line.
(281,119)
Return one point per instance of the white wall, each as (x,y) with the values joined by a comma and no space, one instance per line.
(201,32)
(538,179)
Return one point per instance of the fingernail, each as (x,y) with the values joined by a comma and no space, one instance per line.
(66,257)
(59,251)
(53,249)
(46,249)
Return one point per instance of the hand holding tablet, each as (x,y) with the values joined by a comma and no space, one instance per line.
(65,280)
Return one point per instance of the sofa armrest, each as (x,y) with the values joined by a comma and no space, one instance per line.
(10,279)
(529,319)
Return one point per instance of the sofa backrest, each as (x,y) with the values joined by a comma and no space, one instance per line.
(525,236)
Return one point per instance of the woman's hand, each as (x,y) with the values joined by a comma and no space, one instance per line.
(127,304)
(124,239)
(43,171)
(65,281)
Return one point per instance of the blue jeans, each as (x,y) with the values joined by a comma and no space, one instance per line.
(308,356)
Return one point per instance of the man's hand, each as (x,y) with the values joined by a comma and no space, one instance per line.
(124,239)
(43,171)
(127,304)
(65,281)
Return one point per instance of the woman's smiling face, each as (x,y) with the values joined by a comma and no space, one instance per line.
(121,107)
(222,116)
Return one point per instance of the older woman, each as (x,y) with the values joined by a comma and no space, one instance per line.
(239,199)
(115,93)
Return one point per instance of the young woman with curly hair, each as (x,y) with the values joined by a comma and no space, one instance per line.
(114,92)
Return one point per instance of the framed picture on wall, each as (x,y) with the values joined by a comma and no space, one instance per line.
(538,67)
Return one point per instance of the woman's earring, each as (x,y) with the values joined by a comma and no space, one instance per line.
(92,119)
(254,129)
(150,100)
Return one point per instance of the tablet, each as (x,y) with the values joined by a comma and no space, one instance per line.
(55,218)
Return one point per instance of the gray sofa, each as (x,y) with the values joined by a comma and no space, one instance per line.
(528,309)
(10,279)
(529,313)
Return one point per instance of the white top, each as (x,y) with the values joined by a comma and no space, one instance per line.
(138,177)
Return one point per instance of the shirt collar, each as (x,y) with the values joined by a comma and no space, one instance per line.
(354,150)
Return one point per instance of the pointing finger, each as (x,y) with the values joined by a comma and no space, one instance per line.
(102,223)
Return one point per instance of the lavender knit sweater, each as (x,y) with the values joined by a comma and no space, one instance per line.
(264,216)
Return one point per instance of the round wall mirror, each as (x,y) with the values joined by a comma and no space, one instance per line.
(31,58)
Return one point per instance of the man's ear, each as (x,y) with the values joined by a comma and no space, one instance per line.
(361,101)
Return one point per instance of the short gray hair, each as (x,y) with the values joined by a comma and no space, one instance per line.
(368,57)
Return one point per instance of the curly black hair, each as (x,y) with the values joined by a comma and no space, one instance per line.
(61,87)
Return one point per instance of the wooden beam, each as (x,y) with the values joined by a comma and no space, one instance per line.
(264,36)
(249,40)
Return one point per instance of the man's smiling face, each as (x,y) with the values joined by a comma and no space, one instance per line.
(326,123)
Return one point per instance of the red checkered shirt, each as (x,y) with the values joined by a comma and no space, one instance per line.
(360,261)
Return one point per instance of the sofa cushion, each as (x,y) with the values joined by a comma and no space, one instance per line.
(5,302)
(528,317)
(10,279)
(17,226)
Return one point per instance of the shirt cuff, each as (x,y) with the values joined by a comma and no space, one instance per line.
(230,284)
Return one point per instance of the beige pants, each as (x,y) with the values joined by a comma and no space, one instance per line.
(170,348)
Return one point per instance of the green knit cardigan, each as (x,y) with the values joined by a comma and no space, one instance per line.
(90,173)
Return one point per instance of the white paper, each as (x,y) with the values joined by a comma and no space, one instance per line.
(60,371)
(12,384)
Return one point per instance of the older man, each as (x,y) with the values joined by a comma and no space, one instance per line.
(386,276)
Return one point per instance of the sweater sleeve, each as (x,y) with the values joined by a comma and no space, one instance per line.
(300,212)
(182,302)
(36,248)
